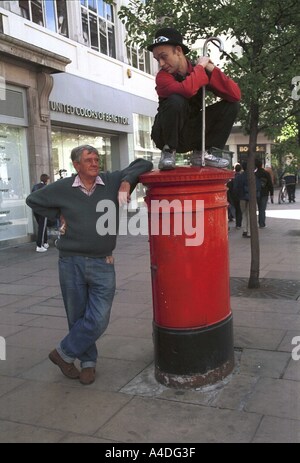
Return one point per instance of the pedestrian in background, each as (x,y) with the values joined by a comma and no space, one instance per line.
(42,235)
(242,191)
(240,188)
(235,201)
(266,189)
(290,179)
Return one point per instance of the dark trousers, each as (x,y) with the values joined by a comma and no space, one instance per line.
(262,206)
(238,212)
(179,126)
(291,190)
(42,235)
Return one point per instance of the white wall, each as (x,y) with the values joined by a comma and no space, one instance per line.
(86,62)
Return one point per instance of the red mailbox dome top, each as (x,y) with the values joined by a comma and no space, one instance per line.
(187,175)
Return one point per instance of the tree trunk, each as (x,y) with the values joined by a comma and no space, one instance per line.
(255,253)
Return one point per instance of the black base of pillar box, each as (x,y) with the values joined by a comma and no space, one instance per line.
(190,358)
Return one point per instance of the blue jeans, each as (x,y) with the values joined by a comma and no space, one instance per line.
(262,206)
(88,288)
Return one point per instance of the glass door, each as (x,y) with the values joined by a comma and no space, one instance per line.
(15,216)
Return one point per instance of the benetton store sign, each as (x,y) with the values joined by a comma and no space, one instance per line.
(89,113)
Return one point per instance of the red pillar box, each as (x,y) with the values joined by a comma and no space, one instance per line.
(188,234)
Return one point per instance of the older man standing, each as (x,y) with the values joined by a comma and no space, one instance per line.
(86,267)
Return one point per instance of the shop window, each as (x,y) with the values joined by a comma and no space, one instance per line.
(144,147)
(142,132)
(14,184)
(15,217)
(98,27)
(143,144)
(12,104)
(51,14)
(64,140)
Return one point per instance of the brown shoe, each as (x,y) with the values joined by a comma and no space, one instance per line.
(87,376)
(68,369)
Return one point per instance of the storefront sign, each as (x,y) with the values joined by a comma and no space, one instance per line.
(89,113)
(245,149)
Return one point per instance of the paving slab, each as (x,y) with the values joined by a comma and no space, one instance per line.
(37,338)
(9,317)
(23,303)
(244,304)
(166,421)
(131,309)
(260,338)
(8,330)
(126,348)
(7,299)
(55,310)
(265,363)
(286,344)
(60,407)
(293,370)
(16,433)
(41,281)
(134,327)
(112,374)
(8,384)
(277,430)
(20,359)
(56,323)
(276,397)
(275,321)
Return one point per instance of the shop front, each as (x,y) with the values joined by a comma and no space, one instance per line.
(25,84)
(117,123)
(243,152)
(86,112)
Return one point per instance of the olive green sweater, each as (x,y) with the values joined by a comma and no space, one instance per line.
(82,212)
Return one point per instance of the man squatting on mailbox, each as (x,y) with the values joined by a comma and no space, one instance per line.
(179,85)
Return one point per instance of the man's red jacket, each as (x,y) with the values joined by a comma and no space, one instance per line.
(217,82)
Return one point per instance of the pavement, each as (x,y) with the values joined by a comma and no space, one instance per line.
(258,402)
